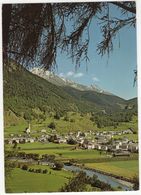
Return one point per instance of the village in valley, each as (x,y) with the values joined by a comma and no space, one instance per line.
(91,140)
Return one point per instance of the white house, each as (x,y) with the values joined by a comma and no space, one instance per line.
(43,131)
(104,147)
(31,140)
(124,146)
(98,146)
(115,147)
(89,146)
(133,147)
(27,130)
(127,131)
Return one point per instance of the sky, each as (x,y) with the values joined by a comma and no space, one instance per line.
(114,74)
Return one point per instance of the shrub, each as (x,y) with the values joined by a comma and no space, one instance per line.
(66,118)
(25,167)
(19,165)
(92,119)
(30,170)
(45,171)
(72,120)
(136,182)
(51,125)
(57,116)
(58,165)
(13,165)
(38,170)
(27,116)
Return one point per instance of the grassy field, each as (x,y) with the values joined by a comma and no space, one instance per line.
(127,169)
(15,129)
(66,151)
(62,126)
(39,145)
(82,123)
(67,154)
(129,136)
(24,181)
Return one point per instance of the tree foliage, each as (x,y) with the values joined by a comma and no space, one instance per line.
(36,32)
(52,125)
(136,182)
(81,180)
(114,119)
(25,167)
(58,165)
(76,184)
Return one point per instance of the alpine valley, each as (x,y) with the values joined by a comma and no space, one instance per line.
(25,92)
(55,128)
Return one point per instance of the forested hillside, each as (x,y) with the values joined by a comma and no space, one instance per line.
(25,92)
(30,96)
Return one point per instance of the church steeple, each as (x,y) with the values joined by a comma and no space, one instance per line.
(29,126)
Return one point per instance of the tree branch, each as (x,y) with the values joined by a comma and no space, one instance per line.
(130,9)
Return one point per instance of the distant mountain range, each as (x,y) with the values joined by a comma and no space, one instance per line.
(25,94)
(61,81)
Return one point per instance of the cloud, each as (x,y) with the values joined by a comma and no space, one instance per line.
(70,73)
(61,74)
(79,74)
(95,79)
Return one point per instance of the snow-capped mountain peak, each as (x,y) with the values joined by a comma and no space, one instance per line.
(62,81)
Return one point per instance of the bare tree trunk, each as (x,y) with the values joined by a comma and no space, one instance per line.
(6,19)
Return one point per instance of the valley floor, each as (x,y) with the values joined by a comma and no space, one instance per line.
(99,160)
(126,169)
(24,181)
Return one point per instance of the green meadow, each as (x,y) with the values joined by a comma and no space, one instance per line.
(126,169)
(40,146)
(79,122)
(24,181)
(61,151)
(65,152)
(133,137)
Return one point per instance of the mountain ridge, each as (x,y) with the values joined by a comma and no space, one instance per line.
(25,93)
(62,81)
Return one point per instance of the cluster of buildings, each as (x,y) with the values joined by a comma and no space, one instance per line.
(120,145)
(103,141)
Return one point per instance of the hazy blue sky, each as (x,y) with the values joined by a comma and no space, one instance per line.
(117,75)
